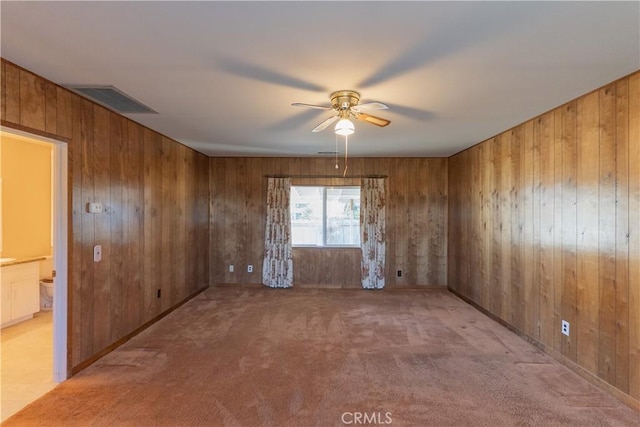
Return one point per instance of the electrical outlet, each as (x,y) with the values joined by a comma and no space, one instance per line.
(399,273)
(565,327)
(231,269)
(249,268)
(95,207)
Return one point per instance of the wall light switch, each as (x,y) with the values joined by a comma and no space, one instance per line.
(231,269)
(97,253)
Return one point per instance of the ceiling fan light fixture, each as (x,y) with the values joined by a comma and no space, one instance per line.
(344,127)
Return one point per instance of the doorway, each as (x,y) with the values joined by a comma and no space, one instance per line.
(57,318)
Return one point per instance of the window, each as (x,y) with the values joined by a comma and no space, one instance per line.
(325,216)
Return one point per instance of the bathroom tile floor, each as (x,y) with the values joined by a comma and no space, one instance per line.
(27,362)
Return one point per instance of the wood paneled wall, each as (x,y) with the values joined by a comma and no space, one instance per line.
(544,225)
(416,220)
(336,266)
(154,233)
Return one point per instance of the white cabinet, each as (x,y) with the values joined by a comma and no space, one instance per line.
(6,301)
(20,292)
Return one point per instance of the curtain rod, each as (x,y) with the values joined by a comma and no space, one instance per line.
(326,176)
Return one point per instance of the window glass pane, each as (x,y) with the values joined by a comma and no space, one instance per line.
(343,216)
(314,223)
(306,215)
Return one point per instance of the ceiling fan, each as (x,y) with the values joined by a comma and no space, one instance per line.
(345,104)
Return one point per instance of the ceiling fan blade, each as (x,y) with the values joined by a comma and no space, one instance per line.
(370,106)
(317,107)
(322,126)
(378,121)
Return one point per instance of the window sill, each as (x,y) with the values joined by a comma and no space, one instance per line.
(326,247)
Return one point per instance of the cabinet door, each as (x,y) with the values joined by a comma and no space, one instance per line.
(25,298)
(5,299)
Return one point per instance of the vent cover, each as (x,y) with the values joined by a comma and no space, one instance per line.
(111,97)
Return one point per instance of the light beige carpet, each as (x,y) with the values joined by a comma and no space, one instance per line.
(305,357)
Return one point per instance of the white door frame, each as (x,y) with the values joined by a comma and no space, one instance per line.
(60,247)
(60,250)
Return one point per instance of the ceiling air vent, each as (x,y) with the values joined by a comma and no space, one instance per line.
(111,97)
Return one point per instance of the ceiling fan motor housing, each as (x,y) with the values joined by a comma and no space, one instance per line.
(343,100)
(345,104)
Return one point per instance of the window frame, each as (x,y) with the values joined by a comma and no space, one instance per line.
(325,218)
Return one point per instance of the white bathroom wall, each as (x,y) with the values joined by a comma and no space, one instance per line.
(26,197)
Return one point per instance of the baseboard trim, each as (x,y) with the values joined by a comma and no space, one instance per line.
(237,285)
(333,286)
(85,364)
(630,401)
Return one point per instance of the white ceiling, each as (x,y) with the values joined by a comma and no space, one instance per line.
(223,75)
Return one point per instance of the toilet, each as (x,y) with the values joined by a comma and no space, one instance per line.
(46,294)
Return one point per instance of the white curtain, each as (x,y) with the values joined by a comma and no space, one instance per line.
(372,229)
(277,266)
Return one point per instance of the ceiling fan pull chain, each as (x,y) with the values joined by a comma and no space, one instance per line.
(336,151)
(346,154)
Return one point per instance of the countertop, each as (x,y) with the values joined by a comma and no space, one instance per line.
(17,261)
